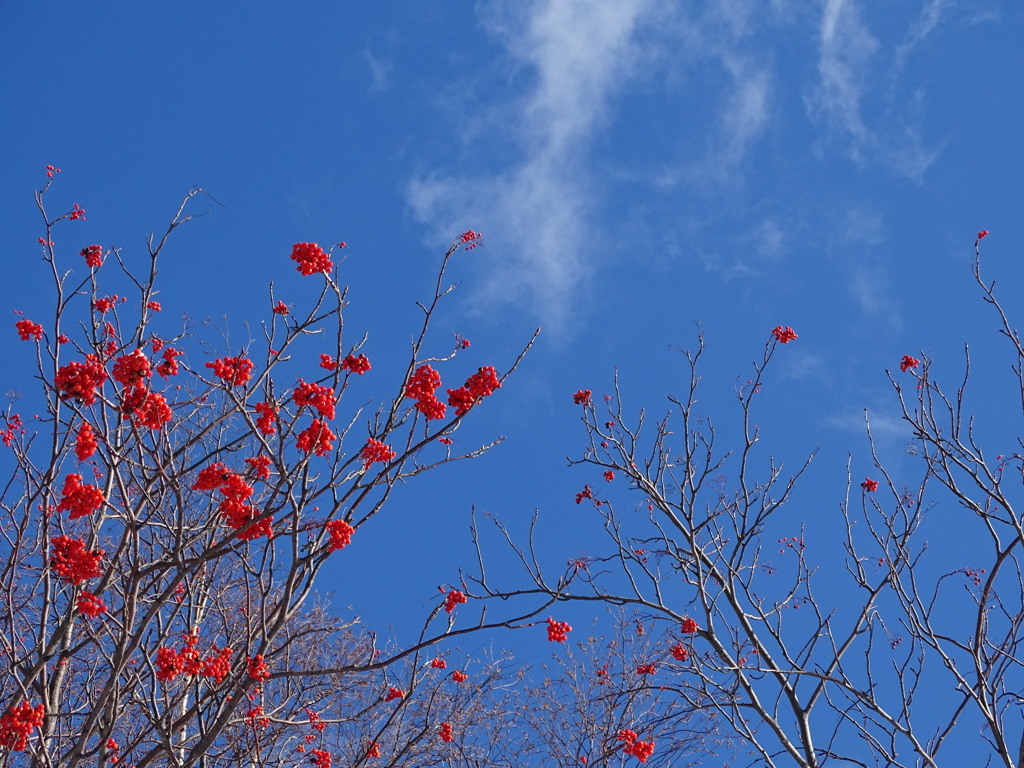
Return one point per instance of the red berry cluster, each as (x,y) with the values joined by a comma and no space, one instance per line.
(14,426)
(93,255)
(316,438)
(72,561)
(439,663)
(421,387)
(268,415)
(280,308)
(132,399)
(983,234)
(909,362)
(132,369)
(153,412)
(80,499)
(189,662)
(582,397)
(446,732)
(80,380)
(558,630)
(311,258)
(106,303)
(792,543)
(328,363)
(50,170)
(355,364)
(869,485)
(235,508)
(259,466)
(321,758)
(608,476)
(315,396)
(90,605)
(149,408)
(340,533)
(256,717)
(315,721)
(470,239)
(169,365)
(112,748)
(679,653)
(27,329)
(153,306)
(373,750)
(586,493)
(646,669)
(641,750)
(77,212)
(375,450)
(258,669)
(234,370)
(17,725)
(459,676)
(689,627)
(452,599)
(238,513)
(479,385)
(218,666)
(394,693)
(783,335)
(975,575)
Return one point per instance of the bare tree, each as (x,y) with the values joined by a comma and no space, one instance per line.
(873,651)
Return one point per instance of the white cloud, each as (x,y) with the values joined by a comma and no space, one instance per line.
(845,47)
(769,238)
(582,52)
(847,75)
(746,111)
(923,26)
(870,286)
(859,239)
(380,71)
(569,61)
(886,423)
(909,156)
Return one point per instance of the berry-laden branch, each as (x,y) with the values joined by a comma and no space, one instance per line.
(171,508)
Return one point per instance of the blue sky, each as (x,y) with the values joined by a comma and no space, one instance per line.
(635,166)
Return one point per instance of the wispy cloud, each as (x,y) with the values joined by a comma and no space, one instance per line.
(380,71)
(745,112)
(858,239)
(885,423)
(844,49)
(582,52)
(544,205)
(923,26)
(852,66)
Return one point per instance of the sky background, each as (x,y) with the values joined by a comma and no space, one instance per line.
(635,167)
